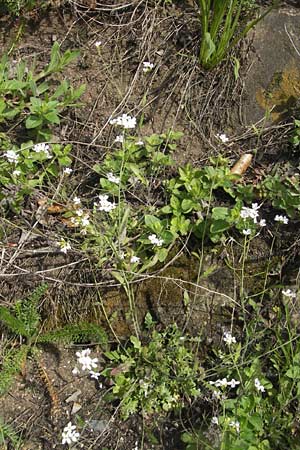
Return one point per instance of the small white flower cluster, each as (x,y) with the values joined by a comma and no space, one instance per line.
(124,121)
(235,424)
(259,387)
(42,147)
(281,219)
(98,44)
(112,178)
(135,259)
(147,66)
(64,246)
(120,138)
(224,383)
(289,293)
(11,156)
(16,173)
(253,214)
(104,204)
(82,219)
(223,138)
(67,171)
(69,434)
(228,338)
(87,363)
(155,240)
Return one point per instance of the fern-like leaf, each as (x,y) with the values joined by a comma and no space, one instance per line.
(11,322)
(12,363)
(77,333)
(27,310)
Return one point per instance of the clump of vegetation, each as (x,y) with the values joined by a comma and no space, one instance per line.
(24,321)
(220,28)
(157,376)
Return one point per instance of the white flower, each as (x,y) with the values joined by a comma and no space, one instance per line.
(228,338)
(262,223)
(120,139)
(219,383)
(69,434)
(281,219)
(79,212)
(42,147)
(139,143)
(155,240)
(233,383)
(64,246)
(75,371)
(76,201)
(147,66)
(98,43)
(250,213)
(104,204)
(235,424)
(94,374)
(135,259)
(11,156)
(16,173)
(111,177)
(85,221)
(247,232)
(67,171)
(215,420)
(124,121)
(85,360)
(289,293)
(258,385)
(223,138)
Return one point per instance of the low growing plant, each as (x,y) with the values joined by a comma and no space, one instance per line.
(155,376)
(23,320)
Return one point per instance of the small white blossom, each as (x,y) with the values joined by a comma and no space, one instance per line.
(289,293)
(233,383)
(85,360)
(85,220)
(98,44)
(235,424)
(228,338)
(64,246)
(112,178)
(67,171)
(250,213)
(147,66)
(69,434)
(104,204)
(139,143)
(258,385)
(124,121)
(135,259)
(215,420)
(42,147)
(75,371)
(247,232)
(262,223)
(155,240)
(11,156)
(281,219)
(219,383)
(79,212)
(120,138)
(94,375)
(16,173)
(223,138)
(76,201)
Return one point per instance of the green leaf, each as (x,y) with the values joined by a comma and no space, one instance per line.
(11,322)
(136,342)
(52,117)
(209,47)
(153,223)
(220,213)
(33,122)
